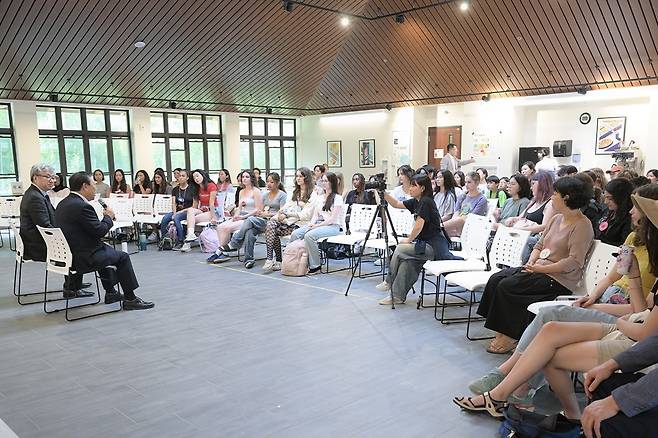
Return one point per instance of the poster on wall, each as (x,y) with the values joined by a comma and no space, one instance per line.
(400,148)
(367,153)
(334,153)
(610,132)
(481,145)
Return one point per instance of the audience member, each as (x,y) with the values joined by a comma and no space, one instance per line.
(160,186)
(249,202)
(445,194)
(493,192)
(451,162)
(83,232)
(402,191)
(325,222)
(484,174)
(566,170)
(358,196)
(425,242)
(528,170)
(119,184)
(297,212)
(502,185)
(182,198)
(554,268)
(640,181)
(520,194)
(652,174)
(174,183)
(205,195)
(614,171)
(225,187)
(318,171)
(539,211)
(102,189)
(469,202)
(615,224)
(460,179)
(259,180)
(59,190)
(142,183)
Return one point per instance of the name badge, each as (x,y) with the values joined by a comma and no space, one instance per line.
(545,253)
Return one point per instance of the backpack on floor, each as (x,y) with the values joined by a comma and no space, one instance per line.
(166,244)
(519,423)
(335,251)
(295,259)
(171,231)
(208,239)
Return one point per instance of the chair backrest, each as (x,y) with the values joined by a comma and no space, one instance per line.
(10,207)
(491,207)
(122,207)
(55,200)
(507,247)
(597,265)
(360,218)
(119,195)
(162,205)
(403,221)
(98,207)
(58,254)
(20,248)
(143,204)
(475,235)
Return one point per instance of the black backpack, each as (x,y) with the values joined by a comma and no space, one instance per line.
(166,244)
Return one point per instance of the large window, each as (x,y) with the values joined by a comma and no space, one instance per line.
(189,141)
(7,151)
(270,145)
(75,139)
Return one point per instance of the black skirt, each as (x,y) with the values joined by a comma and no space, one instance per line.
(508,294)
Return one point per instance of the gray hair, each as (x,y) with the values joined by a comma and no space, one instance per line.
(39,168)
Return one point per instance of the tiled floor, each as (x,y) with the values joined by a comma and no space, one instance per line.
(228,352)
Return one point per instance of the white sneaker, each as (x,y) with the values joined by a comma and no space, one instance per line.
(267,266)
(186,247)
(191,238)
(383,286)
(152,237)
(377,262)
(387,301)
(276,266)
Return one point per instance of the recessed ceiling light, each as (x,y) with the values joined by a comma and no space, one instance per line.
(344,21)
(463,6)
(140,44)
(519,38)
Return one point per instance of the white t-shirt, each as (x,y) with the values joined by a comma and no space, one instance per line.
(336,210)
(399,194)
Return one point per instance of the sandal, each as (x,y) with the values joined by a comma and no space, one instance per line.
(501,349)
(492,407)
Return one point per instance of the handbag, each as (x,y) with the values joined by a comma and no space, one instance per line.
(335,251)
(519,423)
(208,239)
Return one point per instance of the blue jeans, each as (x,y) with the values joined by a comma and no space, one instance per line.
(164,225)
(311,239)
(251,228)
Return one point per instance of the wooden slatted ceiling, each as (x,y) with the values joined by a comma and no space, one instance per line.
(245,55)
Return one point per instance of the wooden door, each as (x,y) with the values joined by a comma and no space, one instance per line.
(439,138)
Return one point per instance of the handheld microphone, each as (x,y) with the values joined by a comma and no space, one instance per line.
(102,203)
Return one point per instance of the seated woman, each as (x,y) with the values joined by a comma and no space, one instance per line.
(249,202)
(297,212)
(325,222)
(254,225)
(519,192)
(426,241)
(142,183)
(205,196)
(102,189)
(615,224)
(555,267)
(182,198)
(358,196)
(59,190)
(528,170)
(614,296)
(225,186)
(119,185)
(159,185)
(562,347)
(460,179)
(446,193)
(402,192)
(259,180)
(472,201)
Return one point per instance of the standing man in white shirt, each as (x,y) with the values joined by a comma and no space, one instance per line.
(451,162)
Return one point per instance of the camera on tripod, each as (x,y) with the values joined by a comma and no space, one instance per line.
(377,182)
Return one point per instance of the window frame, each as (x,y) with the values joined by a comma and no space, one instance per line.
(251,138)
(186,136)
(9,132)
(85,134)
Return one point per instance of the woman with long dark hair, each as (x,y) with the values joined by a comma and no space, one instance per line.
(249,202)
(652,175)
(225,188)
(142,183)
(445,194)
(205,197)
(59,190)
(359,195)
(460,179)
(102,189)
(325,222)
(615,224)
(119,184)
(519,192)
(425,242)
(472,201)
(160,186)
(401,192)
(297,212)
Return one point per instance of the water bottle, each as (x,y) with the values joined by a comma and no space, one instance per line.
(143,241)
(124,246)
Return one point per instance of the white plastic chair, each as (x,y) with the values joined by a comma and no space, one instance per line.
(506,250)
(491,207)
(59,260)
(123,211)
(475,234)
(599,262)
(10,213)
(119,195)
(143,208)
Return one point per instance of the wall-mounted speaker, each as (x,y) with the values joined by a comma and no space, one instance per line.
(562,148)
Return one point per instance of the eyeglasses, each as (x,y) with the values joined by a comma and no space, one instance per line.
(47,176)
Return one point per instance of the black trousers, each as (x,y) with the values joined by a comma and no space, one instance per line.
(643,425)
(508,294)
(124,274)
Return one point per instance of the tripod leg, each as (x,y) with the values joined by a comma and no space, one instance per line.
(357,265)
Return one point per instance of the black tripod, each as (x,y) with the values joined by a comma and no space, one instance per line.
(385,216)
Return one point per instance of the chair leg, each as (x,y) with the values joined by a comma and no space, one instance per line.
(468,322)
(98,292)
(18,278)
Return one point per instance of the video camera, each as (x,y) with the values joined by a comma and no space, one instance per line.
(376,182)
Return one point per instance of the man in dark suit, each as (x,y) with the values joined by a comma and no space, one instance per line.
(36,209)
(83,232)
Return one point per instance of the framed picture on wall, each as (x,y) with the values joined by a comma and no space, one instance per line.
(610,133)
(334,153)
(367,153)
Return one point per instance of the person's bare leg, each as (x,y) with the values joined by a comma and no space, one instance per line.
(191,216)
(540,352)
(581,356)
